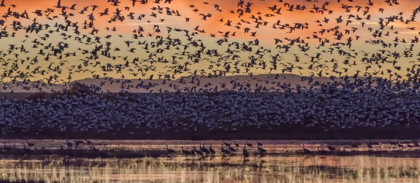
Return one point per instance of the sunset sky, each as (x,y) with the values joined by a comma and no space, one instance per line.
(210,30)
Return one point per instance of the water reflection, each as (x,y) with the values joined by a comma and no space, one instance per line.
(272,146)
(233,169)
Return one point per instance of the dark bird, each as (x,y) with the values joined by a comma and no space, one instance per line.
(89,142)
(170,151)
(69,144)
(58,4)
(331,148)
(212,150)
(195,151)
(306,151)
(204,150)
(186,152)
(225,151)
(245,153)
(248,144)
(261,150)
(30,144)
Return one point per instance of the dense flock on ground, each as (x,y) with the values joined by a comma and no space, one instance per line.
(369,102)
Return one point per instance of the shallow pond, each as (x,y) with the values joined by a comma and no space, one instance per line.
(179,168)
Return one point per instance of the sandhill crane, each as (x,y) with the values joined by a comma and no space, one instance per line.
(331,148)
(69,144)
(231,149)
(204,150)
(30,144)
(259,143)
(322,151)
(169,151)
(88,142)
(261,150)
(78,142)
(236,144)
(355,145)
(307,151)
(186,152)
(374,142)
(226,144)
(248,144)
(94,149)
(245,153)
(225,151)
(212,150)
(198,152)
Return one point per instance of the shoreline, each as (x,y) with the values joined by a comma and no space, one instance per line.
(133,154)
(249,133)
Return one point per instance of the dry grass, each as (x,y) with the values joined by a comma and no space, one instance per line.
(24,181)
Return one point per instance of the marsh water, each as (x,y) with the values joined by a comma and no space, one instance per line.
(276,166)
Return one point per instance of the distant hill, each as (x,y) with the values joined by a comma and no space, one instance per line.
(117,85)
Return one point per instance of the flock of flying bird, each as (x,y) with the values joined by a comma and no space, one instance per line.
(376,95)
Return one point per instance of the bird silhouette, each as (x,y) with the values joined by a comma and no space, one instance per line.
(245,153)
(170,151)
(331,148)
(2,3)
(306,151)
(186,152)
(69,144)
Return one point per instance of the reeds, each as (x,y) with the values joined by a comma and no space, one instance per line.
(24,181)
(234,169)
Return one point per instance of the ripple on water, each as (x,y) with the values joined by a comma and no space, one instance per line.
(272,168)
